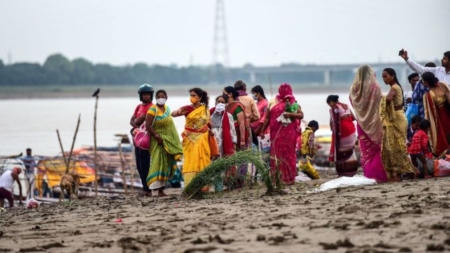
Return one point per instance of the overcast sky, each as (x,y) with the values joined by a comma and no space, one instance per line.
(261,32)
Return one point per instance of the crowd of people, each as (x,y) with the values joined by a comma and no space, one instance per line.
(399,134)
(393,146)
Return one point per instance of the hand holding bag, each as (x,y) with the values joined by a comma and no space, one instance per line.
(213,146)
(142,137)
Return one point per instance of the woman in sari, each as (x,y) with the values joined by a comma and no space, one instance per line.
(236,109)
(365,95)
(222,126)
(437,111)
(165,147)
(196,150)
(262,104)
(342,151)
(394,154)
(284,120)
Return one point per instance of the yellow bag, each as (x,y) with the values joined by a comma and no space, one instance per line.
(308,169)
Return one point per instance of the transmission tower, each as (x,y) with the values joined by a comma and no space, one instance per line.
(220,46)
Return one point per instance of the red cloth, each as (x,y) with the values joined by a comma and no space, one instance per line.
(141,109)
(419,144)
(283,145)
(341,128)
(227,140)
(5,194)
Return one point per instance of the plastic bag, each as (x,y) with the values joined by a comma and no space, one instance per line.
(32,203)
(308,169)
(413,110)
(142,138)
(441,168)
(342,182)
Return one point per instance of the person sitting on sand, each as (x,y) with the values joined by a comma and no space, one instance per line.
(419,148)
(6,186)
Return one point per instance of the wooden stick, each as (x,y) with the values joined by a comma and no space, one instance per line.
(95,145)
(62,149)
(124,178)
(73,143)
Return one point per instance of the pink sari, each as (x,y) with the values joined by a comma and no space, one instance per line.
(365,96)
(371,157)
(283,140)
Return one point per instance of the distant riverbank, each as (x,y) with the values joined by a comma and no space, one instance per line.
(86,91)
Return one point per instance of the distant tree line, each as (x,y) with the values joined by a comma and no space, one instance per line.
(57,69)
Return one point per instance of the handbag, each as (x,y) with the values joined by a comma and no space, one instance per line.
(413,110)
(213,146)
(142,137)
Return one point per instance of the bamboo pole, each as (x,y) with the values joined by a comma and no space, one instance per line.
(124,178)
(62,149)
(73,144)
(95,141)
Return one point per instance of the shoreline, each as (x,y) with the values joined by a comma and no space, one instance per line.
(116,91)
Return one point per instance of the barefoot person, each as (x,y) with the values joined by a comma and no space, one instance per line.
(165,147)
(6,186)
(197,154)
(393,153)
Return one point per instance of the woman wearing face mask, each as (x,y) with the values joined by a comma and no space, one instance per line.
(222,126)
(236,109)
(137,119)
(261,103)
(197,154)
(165,147)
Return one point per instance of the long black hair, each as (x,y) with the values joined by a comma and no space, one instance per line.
(392,72)
(259,89)
(232,91)
(204,99)
(430,78)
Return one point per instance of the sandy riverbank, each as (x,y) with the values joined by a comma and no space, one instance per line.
(411,216)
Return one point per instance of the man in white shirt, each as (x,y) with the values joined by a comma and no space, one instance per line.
(442,73)
(6,186)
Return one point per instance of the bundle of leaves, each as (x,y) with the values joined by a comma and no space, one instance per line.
(214,174)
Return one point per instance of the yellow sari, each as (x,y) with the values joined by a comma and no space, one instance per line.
(394,155)
(197,154)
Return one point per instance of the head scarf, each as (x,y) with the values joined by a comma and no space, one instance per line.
(285,92)
(365,95)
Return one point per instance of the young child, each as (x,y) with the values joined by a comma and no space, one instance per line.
(415,122)
(419,149)
(308,147)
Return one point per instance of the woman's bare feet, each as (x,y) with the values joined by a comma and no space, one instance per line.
(161,193)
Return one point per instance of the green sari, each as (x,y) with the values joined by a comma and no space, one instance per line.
(164,157)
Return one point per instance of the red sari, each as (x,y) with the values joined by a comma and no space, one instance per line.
(343,140)
(438,113)
(283,144)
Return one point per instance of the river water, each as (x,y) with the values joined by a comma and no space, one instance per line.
(33,122)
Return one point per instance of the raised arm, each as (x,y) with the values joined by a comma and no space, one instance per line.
(180,112)
(416,67)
